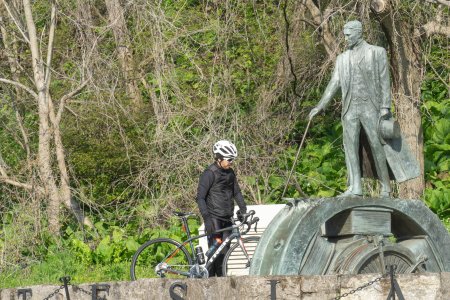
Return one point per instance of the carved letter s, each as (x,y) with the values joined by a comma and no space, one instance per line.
(175,296)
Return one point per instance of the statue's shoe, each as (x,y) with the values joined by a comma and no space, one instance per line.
(349,193)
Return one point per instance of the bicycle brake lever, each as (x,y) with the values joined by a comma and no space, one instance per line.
(255,221)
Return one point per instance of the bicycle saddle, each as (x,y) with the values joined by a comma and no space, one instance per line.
(182,214)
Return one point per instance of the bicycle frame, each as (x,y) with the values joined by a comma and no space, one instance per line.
(235,234)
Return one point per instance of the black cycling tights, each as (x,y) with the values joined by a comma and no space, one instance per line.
(216,268)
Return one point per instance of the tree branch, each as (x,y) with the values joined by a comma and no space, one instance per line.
(51,37)
(16,183)
(443,2)
(30,91)
(434,27)
(436,73)
(68,96)
(8,180)
(16,19)
(309,22)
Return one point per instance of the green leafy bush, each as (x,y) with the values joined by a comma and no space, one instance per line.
(436,116)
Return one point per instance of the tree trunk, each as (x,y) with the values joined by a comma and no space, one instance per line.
(87,38)
(320,21)
(41,73)
(406,73)
(84,15)
(123,46)
(159,69)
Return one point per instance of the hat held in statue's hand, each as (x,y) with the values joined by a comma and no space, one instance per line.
(388,129)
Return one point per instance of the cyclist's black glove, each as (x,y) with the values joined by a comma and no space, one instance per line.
(209,225)
(240,216)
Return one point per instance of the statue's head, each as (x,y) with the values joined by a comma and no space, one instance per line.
(353,32)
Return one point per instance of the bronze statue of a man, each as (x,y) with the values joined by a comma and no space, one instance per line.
(361,73)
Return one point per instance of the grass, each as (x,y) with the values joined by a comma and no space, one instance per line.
(59,265)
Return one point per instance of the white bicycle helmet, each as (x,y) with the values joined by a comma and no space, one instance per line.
(225,150)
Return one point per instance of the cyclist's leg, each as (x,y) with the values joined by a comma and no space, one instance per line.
(211,238)
(219,260)
(216,267)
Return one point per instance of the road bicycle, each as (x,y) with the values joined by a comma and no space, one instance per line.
(168,258)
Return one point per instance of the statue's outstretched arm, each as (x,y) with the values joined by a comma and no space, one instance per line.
(332,87)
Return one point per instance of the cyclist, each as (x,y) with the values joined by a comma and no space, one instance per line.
(217,188)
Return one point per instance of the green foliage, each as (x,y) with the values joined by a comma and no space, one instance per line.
(321,167)
(101,254)
(436,115)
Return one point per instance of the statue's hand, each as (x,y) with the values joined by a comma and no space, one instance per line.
(313,112)
(384,112)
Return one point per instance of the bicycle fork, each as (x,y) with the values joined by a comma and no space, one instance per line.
(224,244)
(241,244)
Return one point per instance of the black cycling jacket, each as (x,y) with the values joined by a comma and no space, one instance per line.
(217,188)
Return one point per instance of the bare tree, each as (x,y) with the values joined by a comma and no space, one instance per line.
(54,182)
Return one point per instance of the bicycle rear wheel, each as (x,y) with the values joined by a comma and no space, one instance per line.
(235,262)
(160,258)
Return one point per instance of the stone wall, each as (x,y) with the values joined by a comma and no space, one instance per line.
(413,286)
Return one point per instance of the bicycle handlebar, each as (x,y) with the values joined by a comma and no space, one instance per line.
(255,220)
(246,215)
(243,218)
(250,222)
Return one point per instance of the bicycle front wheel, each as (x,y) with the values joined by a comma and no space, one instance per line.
(165,258)
(235,261)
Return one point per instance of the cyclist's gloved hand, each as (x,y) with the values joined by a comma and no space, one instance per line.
(240,216)
(209,225)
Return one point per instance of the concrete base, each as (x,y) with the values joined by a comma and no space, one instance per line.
(424,286)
